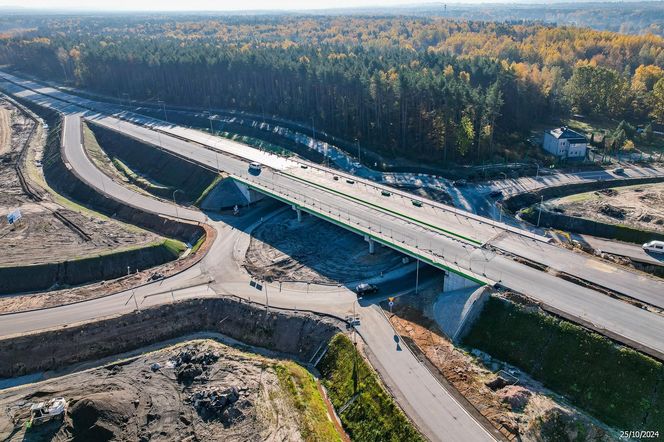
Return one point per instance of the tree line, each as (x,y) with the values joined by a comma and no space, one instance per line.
(427,89)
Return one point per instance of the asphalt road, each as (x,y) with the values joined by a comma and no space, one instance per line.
(432,408)
(632,251)
(450,246)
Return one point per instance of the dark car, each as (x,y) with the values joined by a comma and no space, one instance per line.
(365,289)
(460,183)
(496,193)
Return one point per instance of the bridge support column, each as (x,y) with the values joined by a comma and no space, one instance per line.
(299,213)
(372,245)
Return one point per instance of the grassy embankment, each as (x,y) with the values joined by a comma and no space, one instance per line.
(373,415)
(302,391)
(618,385)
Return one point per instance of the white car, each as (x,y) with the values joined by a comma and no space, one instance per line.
(654,246)
(254,167)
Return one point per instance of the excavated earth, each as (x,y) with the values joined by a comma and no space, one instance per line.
(195,391)
(283,249)
(518,406)
(40,237)
(640,207)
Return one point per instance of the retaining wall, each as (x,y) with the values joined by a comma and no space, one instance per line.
(297,334)
(522,200)
(591,227)
(93,268)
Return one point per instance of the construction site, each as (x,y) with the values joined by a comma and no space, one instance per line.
(190,391)
(283,249)
(640,207)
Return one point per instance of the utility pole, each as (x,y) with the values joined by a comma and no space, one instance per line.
(163,104)
(417,276)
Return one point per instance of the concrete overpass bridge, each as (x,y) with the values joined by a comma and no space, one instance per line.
(469,248)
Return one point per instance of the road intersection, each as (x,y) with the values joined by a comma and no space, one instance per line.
(445,237)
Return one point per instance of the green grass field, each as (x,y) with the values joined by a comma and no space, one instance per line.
(373,415)
(618,385)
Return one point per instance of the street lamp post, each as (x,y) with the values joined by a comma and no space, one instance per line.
(313,129)
(359,151)
(540,211)
(177,215)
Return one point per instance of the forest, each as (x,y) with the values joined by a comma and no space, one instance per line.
(426,89)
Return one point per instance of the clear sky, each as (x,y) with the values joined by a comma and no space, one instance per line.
(211,5)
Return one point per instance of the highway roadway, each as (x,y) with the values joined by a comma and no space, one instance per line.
(445,237)
(436,413)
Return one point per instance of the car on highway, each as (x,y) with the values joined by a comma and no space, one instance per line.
(654,246)
(416,203)
(496,193)
(350,181)
(365,288)
(254,168)
(619,170)
(385,193)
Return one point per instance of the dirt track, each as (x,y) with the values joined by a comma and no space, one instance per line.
(199,390)
(5,128)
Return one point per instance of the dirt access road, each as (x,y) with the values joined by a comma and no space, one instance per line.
(196,390)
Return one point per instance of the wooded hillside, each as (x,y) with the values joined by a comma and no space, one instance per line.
(429,89)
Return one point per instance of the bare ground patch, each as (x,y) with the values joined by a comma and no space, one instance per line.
(640,207)
(40,237)
(283,249)
(199,390)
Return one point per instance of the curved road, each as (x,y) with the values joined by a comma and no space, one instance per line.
(436,413)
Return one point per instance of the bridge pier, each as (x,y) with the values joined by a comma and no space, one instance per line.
(299,213)
(372,245)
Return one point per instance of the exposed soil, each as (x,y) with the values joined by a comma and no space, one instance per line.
(640,207)
(514,403)
(63,296)
(199,390)
(283,249)
(40,237)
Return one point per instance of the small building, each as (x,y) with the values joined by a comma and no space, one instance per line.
(565,143)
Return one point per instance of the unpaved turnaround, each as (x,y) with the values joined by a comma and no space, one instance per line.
(198,390)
